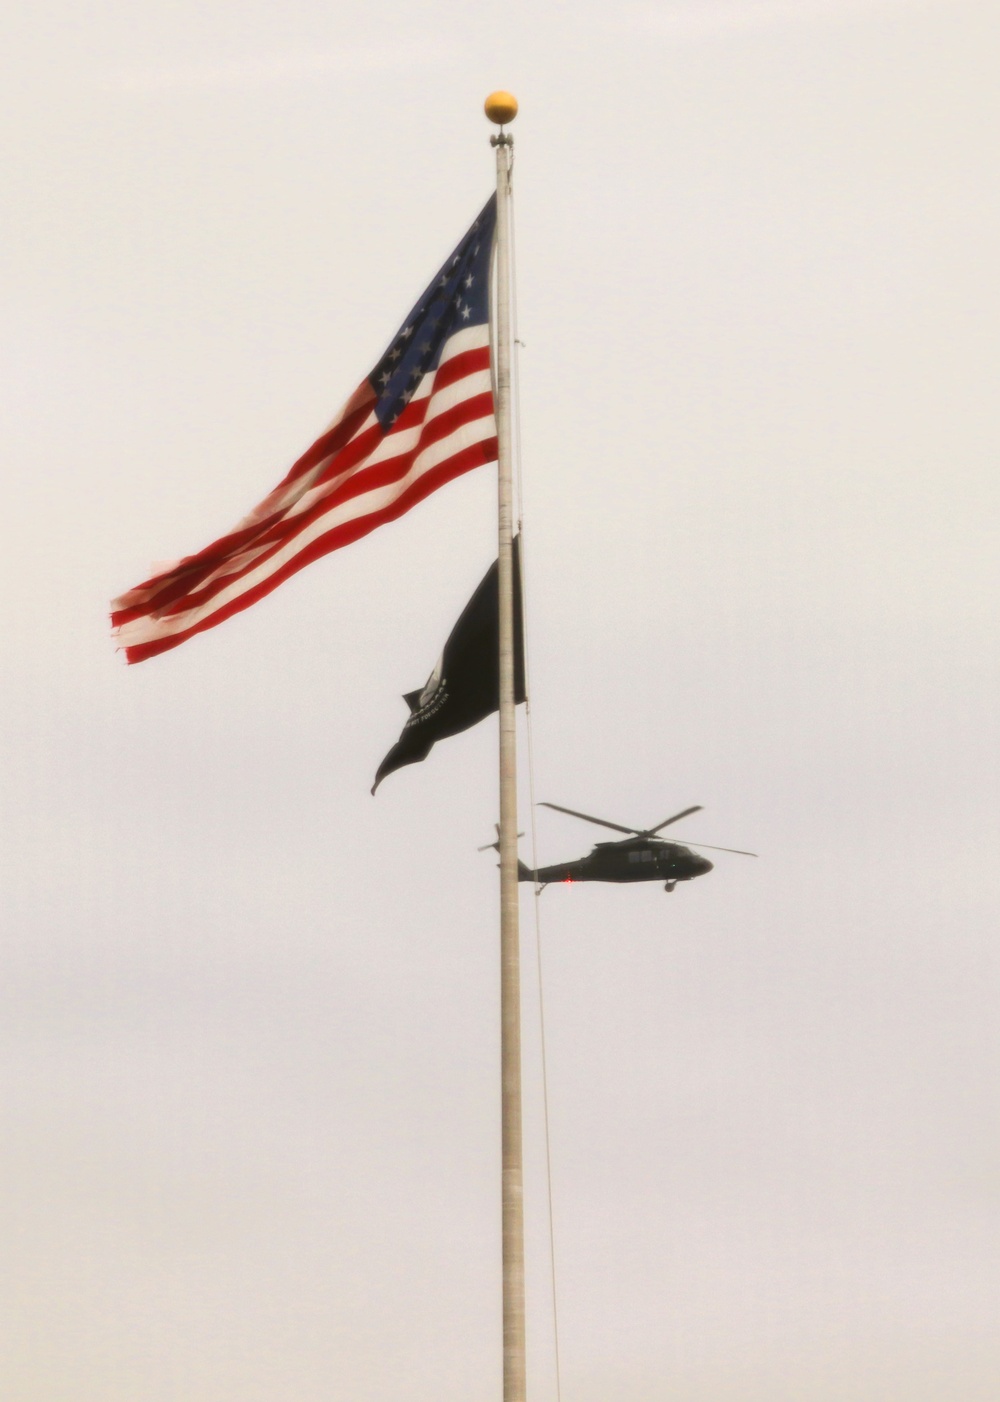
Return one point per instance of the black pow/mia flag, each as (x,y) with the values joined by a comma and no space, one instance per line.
(464,687)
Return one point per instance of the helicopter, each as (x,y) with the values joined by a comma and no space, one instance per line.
(641,856)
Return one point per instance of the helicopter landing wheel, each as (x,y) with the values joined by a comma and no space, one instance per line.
(668,886)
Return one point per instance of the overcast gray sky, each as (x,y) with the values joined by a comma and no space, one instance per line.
(249,1014)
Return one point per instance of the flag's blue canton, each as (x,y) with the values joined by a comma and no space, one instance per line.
(458,296)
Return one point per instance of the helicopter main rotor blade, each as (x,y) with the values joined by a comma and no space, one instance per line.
(735,850)
(675,819)
(601,822)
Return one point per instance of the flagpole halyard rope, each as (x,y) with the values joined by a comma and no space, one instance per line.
(536,888)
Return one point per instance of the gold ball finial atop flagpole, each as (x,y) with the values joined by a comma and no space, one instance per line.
(500,107)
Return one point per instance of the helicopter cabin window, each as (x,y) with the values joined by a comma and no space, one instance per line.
(641,857)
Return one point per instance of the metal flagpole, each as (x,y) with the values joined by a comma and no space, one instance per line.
(501,108)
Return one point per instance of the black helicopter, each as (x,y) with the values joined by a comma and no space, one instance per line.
(642,856)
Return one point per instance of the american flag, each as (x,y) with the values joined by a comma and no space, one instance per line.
(422,417)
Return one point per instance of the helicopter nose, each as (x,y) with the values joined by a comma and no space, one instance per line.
(703,866)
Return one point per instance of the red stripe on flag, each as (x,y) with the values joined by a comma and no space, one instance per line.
(181,594)
(190,571)
(475,456)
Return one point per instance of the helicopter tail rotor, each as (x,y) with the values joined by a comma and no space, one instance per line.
(494,846)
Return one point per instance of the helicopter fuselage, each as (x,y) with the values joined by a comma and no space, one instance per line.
(635,859)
